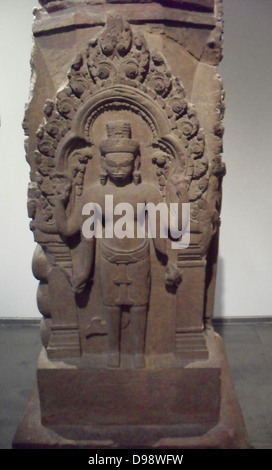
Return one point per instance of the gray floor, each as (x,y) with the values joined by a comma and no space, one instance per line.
(248,348)
(249,351)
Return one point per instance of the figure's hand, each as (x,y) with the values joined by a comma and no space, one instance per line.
(172,275)
(62,187)
(79,283)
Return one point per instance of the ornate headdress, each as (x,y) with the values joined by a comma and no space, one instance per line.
(119,139)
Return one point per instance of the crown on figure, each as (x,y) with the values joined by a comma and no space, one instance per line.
(119,139)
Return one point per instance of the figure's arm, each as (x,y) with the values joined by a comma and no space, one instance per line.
(85,262)
(86,249)
(177,195)
(153,195)
(170,219)
(66,226)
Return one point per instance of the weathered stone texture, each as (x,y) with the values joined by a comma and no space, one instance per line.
(127,104)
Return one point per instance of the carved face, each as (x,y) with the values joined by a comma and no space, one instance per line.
(119,166)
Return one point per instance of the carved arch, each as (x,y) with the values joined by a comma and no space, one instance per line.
(118,70)
(115,97)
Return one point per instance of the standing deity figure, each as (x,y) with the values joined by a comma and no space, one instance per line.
(124,260)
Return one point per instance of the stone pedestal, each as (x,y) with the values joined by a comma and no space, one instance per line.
(188,407)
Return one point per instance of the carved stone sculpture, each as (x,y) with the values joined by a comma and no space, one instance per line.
(130,117)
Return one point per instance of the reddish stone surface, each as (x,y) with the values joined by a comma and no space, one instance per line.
(130,107)
(227,432)
(206,5)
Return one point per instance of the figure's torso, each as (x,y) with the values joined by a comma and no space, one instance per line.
(120,210)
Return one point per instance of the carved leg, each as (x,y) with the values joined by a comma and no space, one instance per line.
(138,330)
(114,327)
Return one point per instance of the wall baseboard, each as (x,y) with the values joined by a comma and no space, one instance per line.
(19,321)
(215,321)
(228,320)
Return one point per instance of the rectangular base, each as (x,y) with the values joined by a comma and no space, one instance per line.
(132,397)
(177,418)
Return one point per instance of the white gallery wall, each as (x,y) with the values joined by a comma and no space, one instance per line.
(17,285)
(245,261)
